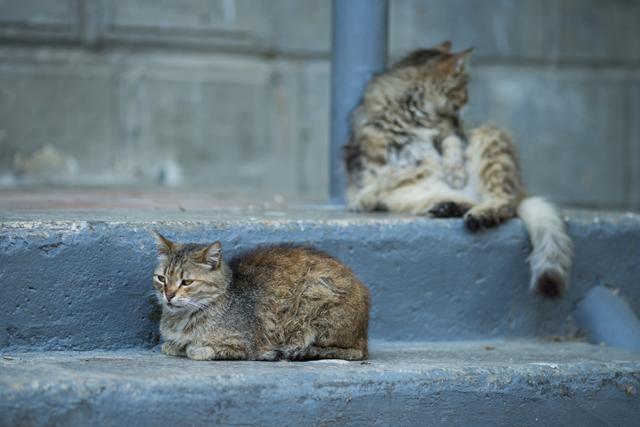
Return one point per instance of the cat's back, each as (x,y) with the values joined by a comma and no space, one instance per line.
(285,268)
(278,263)
(307,303)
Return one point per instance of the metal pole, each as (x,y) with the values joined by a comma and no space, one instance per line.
(608,319)
(359,50)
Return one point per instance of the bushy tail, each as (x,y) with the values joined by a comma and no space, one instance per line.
(550,258)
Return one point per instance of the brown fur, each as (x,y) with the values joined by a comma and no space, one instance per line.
(409,152)
(277,302)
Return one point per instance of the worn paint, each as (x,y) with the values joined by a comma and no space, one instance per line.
(84,282)
(515,383)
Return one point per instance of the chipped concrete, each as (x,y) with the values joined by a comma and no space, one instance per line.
(430,279)
(80,280)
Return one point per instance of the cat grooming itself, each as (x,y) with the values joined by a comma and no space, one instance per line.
(409,152)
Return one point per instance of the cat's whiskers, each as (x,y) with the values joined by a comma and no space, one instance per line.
(194,304)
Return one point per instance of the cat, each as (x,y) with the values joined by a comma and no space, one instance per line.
(409,152)
(271,303)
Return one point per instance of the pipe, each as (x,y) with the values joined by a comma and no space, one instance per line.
(608,319)
(358,50)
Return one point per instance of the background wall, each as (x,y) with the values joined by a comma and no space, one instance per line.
(232,96)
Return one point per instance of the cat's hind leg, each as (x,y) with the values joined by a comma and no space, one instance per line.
(313,352)
(492,161)
(420,198)
(290,352)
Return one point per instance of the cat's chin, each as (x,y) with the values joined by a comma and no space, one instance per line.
(182,308)
(173,308)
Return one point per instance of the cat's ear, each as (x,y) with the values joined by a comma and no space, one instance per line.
(454,61)
(211,255)
(462,56)
(444,47)
(165,246)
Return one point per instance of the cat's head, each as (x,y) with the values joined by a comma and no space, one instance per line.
(442,72)
(189,276)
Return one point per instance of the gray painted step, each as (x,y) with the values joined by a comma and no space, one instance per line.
(466,383)
(81,281)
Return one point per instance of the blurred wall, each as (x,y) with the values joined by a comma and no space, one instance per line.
(232,96)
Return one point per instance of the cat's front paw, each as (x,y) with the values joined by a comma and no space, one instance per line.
(171,349)
(363,201)
(481,217)
(449,210)
(201,353)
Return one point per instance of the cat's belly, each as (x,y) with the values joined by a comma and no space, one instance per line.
(416,154)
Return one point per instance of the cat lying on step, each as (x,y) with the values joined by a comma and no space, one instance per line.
(272,303)
(409,152)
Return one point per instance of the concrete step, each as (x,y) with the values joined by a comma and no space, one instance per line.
(463,383)
(81,280)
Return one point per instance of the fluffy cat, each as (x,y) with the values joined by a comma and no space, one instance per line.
(277,302)
(409,152)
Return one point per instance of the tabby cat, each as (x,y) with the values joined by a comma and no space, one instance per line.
(409,152)
(277,302)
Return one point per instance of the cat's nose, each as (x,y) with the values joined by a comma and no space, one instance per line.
(170,296)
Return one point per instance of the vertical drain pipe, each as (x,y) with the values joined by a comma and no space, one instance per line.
(358,50)
(608,319)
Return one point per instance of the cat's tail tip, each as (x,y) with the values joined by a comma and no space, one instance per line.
(550,284)
(552,250)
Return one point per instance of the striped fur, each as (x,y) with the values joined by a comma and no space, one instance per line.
(409,152)
(272,303)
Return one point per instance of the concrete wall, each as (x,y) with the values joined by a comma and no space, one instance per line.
(232,95)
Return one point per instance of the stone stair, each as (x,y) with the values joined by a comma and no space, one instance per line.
(462,383)
(457,339)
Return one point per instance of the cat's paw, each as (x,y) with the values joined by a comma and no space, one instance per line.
(363,201)
(449,210)
(481,217)
(271,356)
(172,350)
(201,353)
(476,221)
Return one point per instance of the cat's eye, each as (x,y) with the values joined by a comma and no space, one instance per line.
(186,282)
(160,278)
